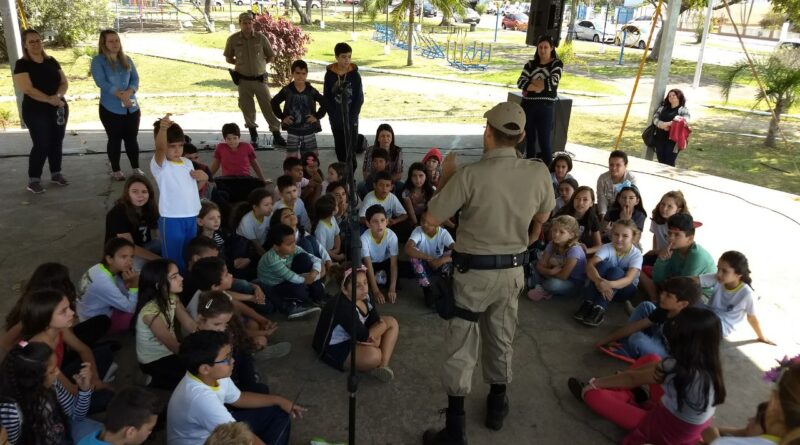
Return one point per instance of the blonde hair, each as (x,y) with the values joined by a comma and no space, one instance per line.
(570,224)
(237,433)
(25,34)
(122,59)
(629,224)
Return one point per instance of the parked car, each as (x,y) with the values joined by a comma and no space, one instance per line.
(636,37)
(428,10)
(586,30)
(491,6)
(516,21)
(789,44)
(470,16)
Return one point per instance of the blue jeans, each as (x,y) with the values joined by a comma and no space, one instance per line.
(647,341)
(557,286)
(611,273)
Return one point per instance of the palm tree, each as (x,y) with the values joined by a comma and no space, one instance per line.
(780,74)
(398,15)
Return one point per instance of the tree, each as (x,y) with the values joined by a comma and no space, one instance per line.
(573,12)
(69,21)
(789,7)
(780,75)
(287,40)
(205,16)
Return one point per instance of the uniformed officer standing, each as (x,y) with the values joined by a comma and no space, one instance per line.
(504,201)
(249,52)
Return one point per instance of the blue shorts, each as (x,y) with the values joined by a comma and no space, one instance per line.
(336,355)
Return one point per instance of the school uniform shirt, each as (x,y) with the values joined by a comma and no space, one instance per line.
(631,259)
(379,250)
(178,195)
(299,211)
(730,305)
(101,291)
(148,347)
(195,409)
(432,245)
(235,162)
(326,233)
(390,204)
(117,222)
(340,316)
(693,396)
(660,233)
(252,228)
(558,259)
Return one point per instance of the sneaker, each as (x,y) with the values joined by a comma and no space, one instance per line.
(302,311)
(384,374)
(35,187)
(117,176)
(137,171)
(576,388)
(59,179)
(583,311)
(381,277)
(277,139)
(111,374)
(538,294)
(277,350)
(596,317)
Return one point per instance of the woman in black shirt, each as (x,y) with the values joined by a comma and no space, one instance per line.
(44,110)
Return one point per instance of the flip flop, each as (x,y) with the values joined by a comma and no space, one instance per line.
(613,350)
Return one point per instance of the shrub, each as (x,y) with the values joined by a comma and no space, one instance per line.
(288,42)
(772,20)
(480,8)
(69,21)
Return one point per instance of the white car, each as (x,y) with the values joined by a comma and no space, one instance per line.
(586,30)
(634,36)
(789,44)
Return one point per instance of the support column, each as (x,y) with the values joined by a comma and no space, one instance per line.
(13,35)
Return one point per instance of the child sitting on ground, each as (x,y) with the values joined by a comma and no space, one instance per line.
(566,188)
(430,249)
(379,162)
(581,207)
(287,186)
(644,334)
(134,217)
(289,275)
(382,195)
(130,419)
(305,240)
(685,387)
(379,250)
(235,157)
(307,187)
(339,192)
(611,182)
(237,433)
(560,167)
(417,191)
(178,199)
(671,203)
(732,296)
(627,205)
(336,173)
(313,173)
(433,165)
(614,273)
(255,222)
(561,270)
(385,140)
(299,117)
(198,404)
(158,312)
(375,335)
(326,230)
(110,288)
(235,254)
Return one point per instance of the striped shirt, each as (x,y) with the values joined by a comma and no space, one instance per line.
(550,73)
(274,270)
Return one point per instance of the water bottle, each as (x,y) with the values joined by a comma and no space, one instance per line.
(60,112)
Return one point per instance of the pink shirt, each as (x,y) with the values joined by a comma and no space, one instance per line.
(235,162)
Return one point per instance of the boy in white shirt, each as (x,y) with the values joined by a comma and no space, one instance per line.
(327,230)
(430,248)
(288,190)
(197,405)
(379,252)
(178,198)
(382,194)
(255,223)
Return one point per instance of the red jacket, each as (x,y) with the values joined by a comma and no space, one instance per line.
(679,132)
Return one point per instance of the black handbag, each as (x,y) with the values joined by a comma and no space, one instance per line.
(649,135)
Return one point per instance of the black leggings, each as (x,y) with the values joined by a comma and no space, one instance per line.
(47,137)
(166,372)
(121,127)
(340,143)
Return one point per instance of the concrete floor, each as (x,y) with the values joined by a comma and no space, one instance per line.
(66,225)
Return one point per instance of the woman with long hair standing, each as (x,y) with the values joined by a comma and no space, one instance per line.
(44,110)
(672,110)
(539,84)
(118,80)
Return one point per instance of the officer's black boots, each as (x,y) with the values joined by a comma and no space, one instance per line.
(254,137)
(496,410)
(277,139)
(454,432)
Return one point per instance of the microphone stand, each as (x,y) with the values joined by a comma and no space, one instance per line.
(355,256)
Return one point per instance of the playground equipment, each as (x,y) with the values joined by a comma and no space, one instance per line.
(465,57)
(458,53)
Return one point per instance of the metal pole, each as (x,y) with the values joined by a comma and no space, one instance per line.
(353,32)
(669,29)
(622,46)
(496,21)
(13,36)
(699,69)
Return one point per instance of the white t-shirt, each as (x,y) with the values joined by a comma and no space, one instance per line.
(391,204)
(731,306)
(326,233)
(253,229)
(299,211)
(757,440)
(379,250)
(660,232)
(632,259)
(178,196)
(195,409)
(433,246)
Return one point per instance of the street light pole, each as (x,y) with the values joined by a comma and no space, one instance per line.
(699,68)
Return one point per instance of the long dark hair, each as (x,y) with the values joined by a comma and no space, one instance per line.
(739,264)
(154,286)
(148,213)
(46,276)
(635,190)
(394,150)
(569,207)
(694,336)
(427,187)
(679,94)
(37,311)
(22,377)
(553,54)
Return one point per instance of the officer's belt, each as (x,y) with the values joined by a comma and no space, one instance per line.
(465,261)
(254,78)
